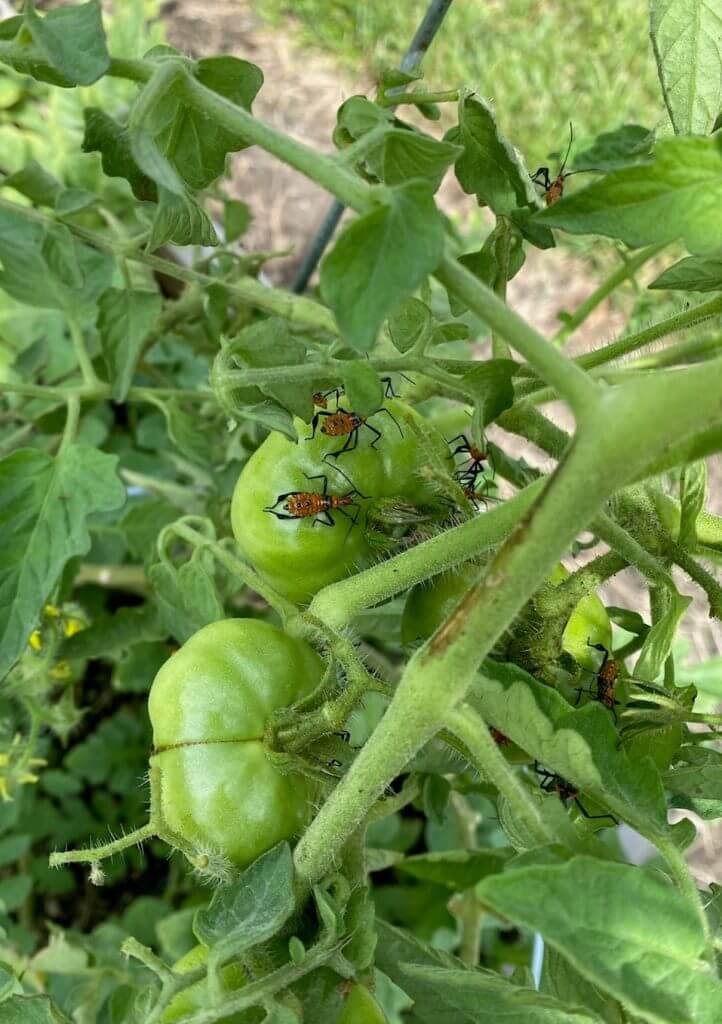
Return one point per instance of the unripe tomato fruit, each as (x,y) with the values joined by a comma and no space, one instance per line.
(429,604)
(195,997)
(300,556)
(361,1008)
(209,705)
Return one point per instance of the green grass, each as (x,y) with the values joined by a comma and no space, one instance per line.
(542,63)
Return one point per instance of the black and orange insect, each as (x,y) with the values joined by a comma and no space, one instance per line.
(473,466)
(344,423)
(500,738)
(316,505)
(320,398)
(566,791)
(605,681)
(554,188)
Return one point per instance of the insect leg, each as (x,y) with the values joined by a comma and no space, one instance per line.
(391,416)
(378,437)
(593,817)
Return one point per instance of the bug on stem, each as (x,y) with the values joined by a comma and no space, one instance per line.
(605,681)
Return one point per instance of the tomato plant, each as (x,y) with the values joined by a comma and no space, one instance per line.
(309,590)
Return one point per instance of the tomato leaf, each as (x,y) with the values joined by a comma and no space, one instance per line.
(693,274)
(692,497)
(32,1010)
(236,218)
(252,909)
(649,952)
(627,144)
(409,322)
(454,869)
(44,506)
(581,746)
(66,47)
(563,981)
(110,636)
(48,267)
(265,344)
(500,258)
(194,145)
(403,154)
(36,183)
(489,166)
(658,641)
(379,259)
(125,318)
(362,386)
(492,384)
(675,195)
(687,43)
(186,598)
(112,140)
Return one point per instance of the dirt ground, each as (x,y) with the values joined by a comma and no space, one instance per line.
(302,94)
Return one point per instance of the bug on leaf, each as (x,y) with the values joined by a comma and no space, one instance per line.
(344,423)
(554,188)
(566,791)
(317,505)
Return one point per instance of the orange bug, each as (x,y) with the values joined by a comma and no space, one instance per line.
(606,680)
(554,189)
(500,738)
(316,505)
(344,423)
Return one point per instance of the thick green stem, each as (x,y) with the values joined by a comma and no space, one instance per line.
(71,423)
(338,603)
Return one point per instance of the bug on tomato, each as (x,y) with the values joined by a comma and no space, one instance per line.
(317,505)
(344,423)
(566,791)
(605,681)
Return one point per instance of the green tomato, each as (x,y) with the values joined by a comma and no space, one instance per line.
(299,556)
(209,704)
(195,997)
(429,604)
(361,1008)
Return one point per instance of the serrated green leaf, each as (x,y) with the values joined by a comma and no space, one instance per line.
(47,267)
(72,41)
(687,43)
(454,869)
(582,746)
(489,167)
(142,523)
(692,498)
(500,258)
(31,1010)
(36,183)
(692,274)
(674,195)
(362,386)
(186,598)
(658,641)
(457,996)
(105,136)
(627,144)
(180,219)
(236,218)
(409,322)
(195,145)
(379,259)
(44,506)
(109,636)
(403,154)
(648,953)
(563,981)
(491,381)
(125,318)
(252,909)
(270,343)
(356,117)
(697,787)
